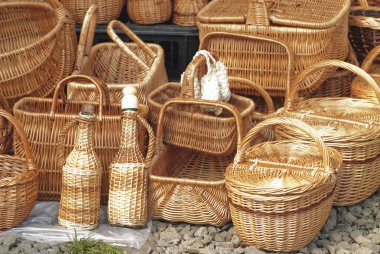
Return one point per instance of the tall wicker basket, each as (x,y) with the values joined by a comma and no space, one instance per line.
(281,192)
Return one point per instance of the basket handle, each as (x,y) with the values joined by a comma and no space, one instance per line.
(258,13)
(131,35)
(370,58)
(291,96)
(219,104)
(283,121)
(104,97)
(21,133)
(86,39)
(152,140)
(264,94)
(363,3)
(291,69)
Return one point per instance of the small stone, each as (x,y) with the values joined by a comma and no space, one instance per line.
(9,241)
(174,241)
(207,239)
(375,239)
(350,218)
(201,232)
(355,234)
(227,245)
(332,249)
(225,250)
(235,241)
(198,244)
(25,245)
(342,251)
(219,238)
(362,239)
(363,250)
(192,250)
(305,250)
(361,222)
(335,236)
(172,249)
(317,251)
(239,250)
(253,250)
(206,251)
(211,230)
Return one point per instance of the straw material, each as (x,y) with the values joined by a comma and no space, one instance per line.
(281,191)
(43,119)
(129,176)
(188,185)
(149,11)
(118,64)
(108,10)
(336,121)
(6,129)
(36,47)
(185,11)
(81,177)
(313,30)
(207,133)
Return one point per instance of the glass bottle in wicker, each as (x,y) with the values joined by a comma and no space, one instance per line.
(81,176)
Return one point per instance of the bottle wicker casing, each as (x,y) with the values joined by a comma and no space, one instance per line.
(81,176)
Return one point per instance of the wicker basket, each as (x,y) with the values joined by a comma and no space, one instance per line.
(36,49)
(313,37)
(185,11)
(119,64)
(44,118)
(337,121)
(281,192)
(360,88)
(18,181)
(149,11)
(364,32)
(339,83)
(187,185)
(108,10)
(6,129)
(207,133)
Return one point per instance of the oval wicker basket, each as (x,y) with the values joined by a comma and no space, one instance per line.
(149,11)
(281,192)
(18,181)
(185,11)
(37,48)
(337,122)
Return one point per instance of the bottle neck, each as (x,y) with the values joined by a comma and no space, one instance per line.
(129,129)
(85,134)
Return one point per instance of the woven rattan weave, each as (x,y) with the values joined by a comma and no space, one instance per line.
(149,11)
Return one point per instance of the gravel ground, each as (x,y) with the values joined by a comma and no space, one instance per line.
(354,229)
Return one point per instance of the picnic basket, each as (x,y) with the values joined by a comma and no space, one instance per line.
(341,124)
(207,133)
(108,10)
(36,49)
(44,118)
(18,181)
(185,11)
(119,64)
(149,11)
(312,35)
(187,185)
(364,21)
(281,192)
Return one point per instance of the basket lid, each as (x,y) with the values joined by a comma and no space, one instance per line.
(295,13)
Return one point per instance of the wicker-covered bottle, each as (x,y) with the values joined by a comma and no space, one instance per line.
(81,175)
(128,191)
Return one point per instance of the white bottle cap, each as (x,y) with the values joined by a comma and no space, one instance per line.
(129,101)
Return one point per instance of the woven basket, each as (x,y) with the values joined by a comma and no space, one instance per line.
(207,133)
(336,120)
(108,10)
(360,88)
(187,185)
(364,32)
(119,64)
(36,50)
(281,192)
(149,11)
(6,129)
(18,181)
(339,83)
(44,118)
(185,11)
(313,37)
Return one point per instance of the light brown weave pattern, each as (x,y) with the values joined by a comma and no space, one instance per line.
(336,121)
(36,47)
(149,11)
(129,176)
(207,133)
(18,180)
(43,119)
(188,185)
(185,11)
(315,31)
(118,64)
(281,192)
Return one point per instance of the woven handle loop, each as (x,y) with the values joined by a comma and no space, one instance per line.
(152,140)
(86,39)
(291,96)
(258,13)
(103,92)
(255,131)
(289,51)
(370,58)
(219,104)
(21,133)
(142,45)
